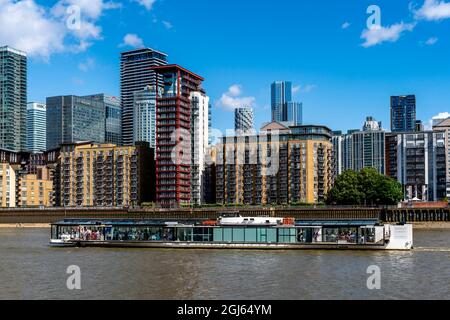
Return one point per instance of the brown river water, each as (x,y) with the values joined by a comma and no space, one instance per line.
(30,269)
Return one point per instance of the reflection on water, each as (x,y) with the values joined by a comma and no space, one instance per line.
(29,269)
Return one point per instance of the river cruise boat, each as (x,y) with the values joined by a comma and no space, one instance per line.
(234,233)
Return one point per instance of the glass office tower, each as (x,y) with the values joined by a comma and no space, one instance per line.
(75,119)
(281,93)
(293,113)
(403,113)
(13,99)
(135,74)
(36,127)
(145,116)
(113,117)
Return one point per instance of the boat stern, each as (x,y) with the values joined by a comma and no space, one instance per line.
(400,237)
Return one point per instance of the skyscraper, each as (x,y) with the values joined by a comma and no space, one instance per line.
(36,127)
(338,152)
(144,116)
(294,113)
(75,119)
(113,117)
(281,93)
(369,147)
(403,113)
(358,149)
(13,99)
(135,74)
(243,120)
(173,134)
(199,144)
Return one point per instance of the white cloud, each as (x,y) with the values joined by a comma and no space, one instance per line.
(235,90)
(90,12)
(132,40)
(26,26)
(436,119)
(42,31)
(86,65)
(431,41)
(303,88)
(148,4)
(378,34)
(433,10)
(91,9)
(167,25)
(232,99)
(442,116)
(88,30)
(345,25)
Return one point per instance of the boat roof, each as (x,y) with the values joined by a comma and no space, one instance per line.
(122,222)
(340,223)
(160,222)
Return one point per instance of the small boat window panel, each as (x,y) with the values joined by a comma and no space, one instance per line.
(309,235)
(287,235)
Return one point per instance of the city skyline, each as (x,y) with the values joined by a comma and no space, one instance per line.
(224,151)
(324,80)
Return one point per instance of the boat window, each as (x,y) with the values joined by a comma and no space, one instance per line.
(287,235)
(238,235)
(262,235)
(250,235)
(54,232)
(185,234)
(304,235)
(203,234)
(218,235)
(227,234)
(348,235)
(330,235)
(136,233)
(271,235)
(168,234)
(367,235)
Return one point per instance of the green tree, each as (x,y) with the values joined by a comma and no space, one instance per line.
(346,190)
(390,191)
(366,187)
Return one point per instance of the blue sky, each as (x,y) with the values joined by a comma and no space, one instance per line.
(245,45)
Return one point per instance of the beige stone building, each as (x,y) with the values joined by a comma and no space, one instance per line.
(7,186)
(281,165)
(35,190)
(106,175)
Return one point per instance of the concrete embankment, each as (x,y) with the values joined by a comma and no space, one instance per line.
(25,226)
(436,216)
(432,225)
